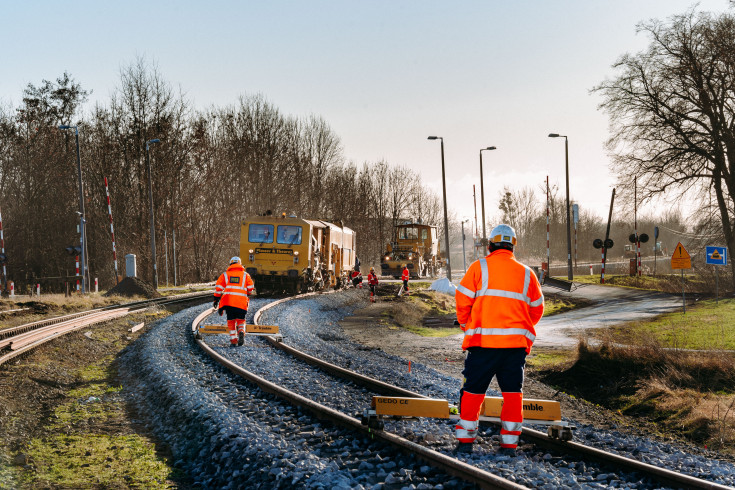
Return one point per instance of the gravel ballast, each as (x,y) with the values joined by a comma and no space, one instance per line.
(228,434)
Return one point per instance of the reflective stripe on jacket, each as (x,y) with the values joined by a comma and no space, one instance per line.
(405,275)
(372,279)
(233,287)
(499,301)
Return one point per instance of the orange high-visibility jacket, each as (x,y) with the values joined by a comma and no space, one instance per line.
(233,287)
(405,275)
(499,301)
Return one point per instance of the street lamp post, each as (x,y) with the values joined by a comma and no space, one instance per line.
(570,274)
(446,220)
(482,196)
(82,220)
(150,198)
(464,255)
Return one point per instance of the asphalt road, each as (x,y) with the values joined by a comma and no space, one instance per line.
(613,306)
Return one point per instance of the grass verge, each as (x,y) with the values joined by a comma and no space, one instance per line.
(76,430)
(705,326)
(667,283)
(686,393)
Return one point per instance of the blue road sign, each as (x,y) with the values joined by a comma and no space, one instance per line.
(716,255)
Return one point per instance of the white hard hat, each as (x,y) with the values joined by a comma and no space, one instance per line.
(235,260)
(503,234)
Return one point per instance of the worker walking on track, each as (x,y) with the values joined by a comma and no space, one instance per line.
(372,283)
(499,302)
(232,293)
(404,276)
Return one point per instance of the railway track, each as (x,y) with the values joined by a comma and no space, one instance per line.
(20,340)
(454,466)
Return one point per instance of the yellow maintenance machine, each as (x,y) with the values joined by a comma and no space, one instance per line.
(296,255)
(417,246)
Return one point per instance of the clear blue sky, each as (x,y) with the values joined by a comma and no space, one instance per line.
(384,74)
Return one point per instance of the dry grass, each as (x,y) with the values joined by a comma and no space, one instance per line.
(687,393)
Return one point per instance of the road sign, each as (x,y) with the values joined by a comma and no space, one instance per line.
(681,258)
(716,255)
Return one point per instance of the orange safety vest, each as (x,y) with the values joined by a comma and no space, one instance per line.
(405,275)
(499,301)
(233,287)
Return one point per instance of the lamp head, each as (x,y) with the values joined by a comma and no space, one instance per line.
(553,135)
(491,148)
(433,138)
(64,126)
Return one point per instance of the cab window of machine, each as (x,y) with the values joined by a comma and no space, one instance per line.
(258,233)
(289,235)
(424,234)
(408,233)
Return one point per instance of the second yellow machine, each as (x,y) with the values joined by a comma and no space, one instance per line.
(290,254)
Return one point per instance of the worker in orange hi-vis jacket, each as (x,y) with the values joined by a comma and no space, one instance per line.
(404,276)
(372,282)
(499,302)
(232,293)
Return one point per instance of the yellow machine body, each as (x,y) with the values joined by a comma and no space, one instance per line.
(417,246)
(296,255)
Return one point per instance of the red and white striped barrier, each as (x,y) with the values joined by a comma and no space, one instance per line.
(112,229)
(38,289)
(77,272)
(12,289)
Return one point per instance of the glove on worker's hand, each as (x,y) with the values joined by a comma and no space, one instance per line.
(221,311)
(215,303)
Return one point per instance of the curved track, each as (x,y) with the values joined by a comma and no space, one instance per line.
(24,338)
(454,466)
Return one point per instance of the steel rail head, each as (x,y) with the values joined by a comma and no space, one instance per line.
(451,465)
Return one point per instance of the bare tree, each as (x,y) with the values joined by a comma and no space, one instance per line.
(672,111)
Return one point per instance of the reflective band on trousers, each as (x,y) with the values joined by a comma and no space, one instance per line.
(500,331)
(509,439)
(466,429)
(511,426)
(500,293)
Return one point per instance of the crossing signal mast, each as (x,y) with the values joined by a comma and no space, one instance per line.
(75,250)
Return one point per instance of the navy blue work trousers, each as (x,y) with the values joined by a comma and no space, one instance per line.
(482,363)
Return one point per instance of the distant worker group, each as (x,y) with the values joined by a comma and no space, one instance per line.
(231,296)
(499,302)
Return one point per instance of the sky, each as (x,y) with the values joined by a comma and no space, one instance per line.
(385,75)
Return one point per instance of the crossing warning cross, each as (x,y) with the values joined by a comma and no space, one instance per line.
(681,258)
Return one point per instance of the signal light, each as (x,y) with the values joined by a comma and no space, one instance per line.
(643,238)
(597,243)
(609,243)
(3,259)
(73,250)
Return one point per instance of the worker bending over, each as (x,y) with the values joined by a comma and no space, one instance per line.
(232,293)
(499,302)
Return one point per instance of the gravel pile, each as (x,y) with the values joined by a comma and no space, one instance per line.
(227,434)
(133,286)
